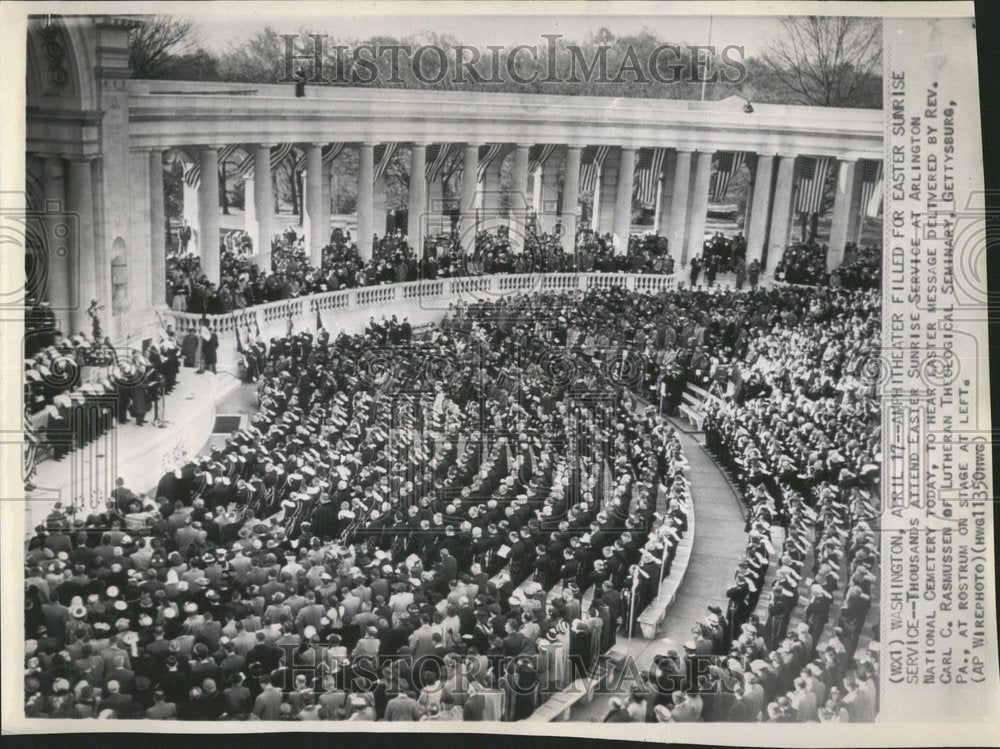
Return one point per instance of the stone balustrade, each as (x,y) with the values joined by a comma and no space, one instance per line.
(422,302)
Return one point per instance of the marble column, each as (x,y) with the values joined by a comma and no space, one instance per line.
(662,219)
(366,199)
(491,189)
(314,203)
(623,203)
(571,198)
(324,208)
(519,198)
(605,210)
(699,205)
(140,220)
(678,207)
(81,204)
(781,210)
(548,205)
(856,213)
(157,240)
(417,200)
(263,205)
(467,206)
(190,216)
(842,200)
(760,208)
(208,213)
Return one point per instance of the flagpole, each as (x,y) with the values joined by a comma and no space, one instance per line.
(704,79)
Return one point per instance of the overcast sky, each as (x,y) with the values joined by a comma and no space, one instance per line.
(753,33)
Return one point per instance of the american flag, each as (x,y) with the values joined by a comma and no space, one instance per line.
(648,165)
(382,157)
(245,169)
(590,166)
(871,188)
(279,154)
(812,179)
(31,450)
(192,174)
(437,154)
(487,155)
(539,155)
(331,152)
(729,162)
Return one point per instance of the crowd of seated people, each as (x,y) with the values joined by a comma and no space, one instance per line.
(803,263)
(801,436)
(334,528)
(806,263)
(861,269)
(458,556)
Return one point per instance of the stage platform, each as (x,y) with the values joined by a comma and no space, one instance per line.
(139,455)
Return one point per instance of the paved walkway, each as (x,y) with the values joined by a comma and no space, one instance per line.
(718,542)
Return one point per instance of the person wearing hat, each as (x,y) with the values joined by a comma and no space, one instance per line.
(115,700)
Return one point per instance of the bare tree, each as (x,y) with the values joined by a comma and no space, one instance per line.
(157,49)
(828,61)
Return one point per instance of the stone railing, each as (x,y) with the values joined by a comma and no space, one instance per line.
(348,310)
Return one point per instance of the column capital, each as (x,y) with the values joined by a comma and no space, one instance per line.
(473,144)
(264,145)
(369,143)
(629,148)
(524,145)
(574,147)
(316,145)
(686,150)
(136,149)
(86,158)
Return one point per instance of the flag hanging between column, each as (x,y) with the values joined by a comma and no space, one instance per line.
(279,154)
(590,166)
(648,165)
(192,173)
(728,164)
(245,169)
(437,155)
(331,152)
(539,155)
(487,155)
(227,151)
(382,159)
(812,178)
(871,188)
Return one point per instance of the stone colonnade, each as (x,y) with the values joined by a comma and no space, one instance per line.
(84,271)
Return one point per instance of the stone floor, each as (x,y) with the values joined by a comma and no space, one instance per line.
(139,455)
(719,540)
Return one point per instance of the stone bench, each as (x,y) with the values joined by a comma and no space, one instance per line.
(654,614)
(559,706)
